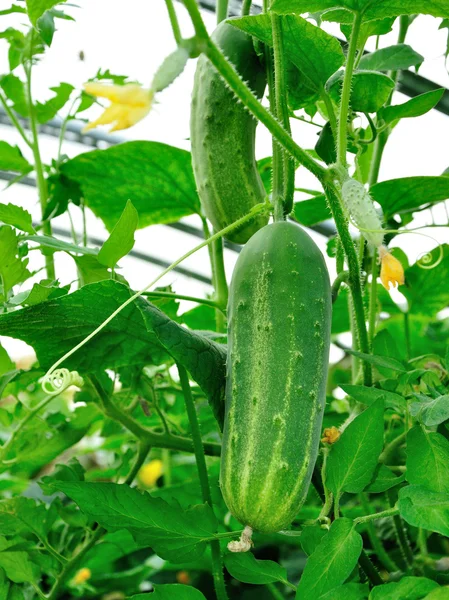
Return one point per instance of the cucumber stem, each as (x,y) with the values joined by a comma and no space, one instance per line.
(221,285)
(217,564)
(174,21)
(342,140)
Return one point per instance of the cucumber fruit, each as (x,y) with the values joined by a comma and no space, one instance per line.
(222,134)
(279,316)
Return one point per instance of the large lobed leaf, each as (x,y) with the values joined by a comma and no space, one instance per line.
(157,178)
(175,535)
(139,334)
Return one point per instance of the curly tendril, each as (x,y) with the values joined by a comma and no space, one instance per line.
(59,380)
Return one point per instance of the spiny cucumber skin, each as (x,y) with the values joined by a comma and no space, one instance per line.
(222,134)
(361,208)
(279,316)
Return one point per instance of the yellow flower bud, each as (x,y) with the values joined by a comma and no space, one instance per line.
(130,103)
(330,435)
(82,576)
(391,270)
(150,473)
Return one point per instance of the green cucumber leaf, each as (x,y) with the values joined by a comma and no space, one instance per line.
(246,568)
(36,8)
(421,507)
(312,211)
(433,412)
(157,178)
(174,534)
(367,395)
(391,58)
(384,479)
(332,561)
(370,90)
(13,269)
(11,159)
(314,52)
(427,459)
(121,239)
(371,10)
(412,588)
(409,194)
(386,362)
(348,591)
(18,217)
(18,567)
(384,344)
(412,108)
(45,111)
(353,458)
(140,334)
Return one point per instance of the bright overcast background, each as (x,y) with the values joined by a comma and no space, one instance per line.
(132,38)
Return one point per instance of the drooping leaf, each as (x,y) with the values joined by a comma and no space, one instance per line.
(245,567)
(312,211)
(121,239)
(325,146)
(427,459)
(412,588)
(384,479)
(408,194)
(380,361)
(415,107)
(176,535)
(140,334)
(385,345)
(48,110)
(370,90)
(367,395)
(332,561)
(157,178)
(391,58)
(10,214)
(36,8)
(11,159)
(314,52)
(13,269)
(353,458)
(423,508)
(371,11)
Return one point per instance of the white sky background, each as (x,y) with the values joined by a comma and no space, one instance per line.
(133,38)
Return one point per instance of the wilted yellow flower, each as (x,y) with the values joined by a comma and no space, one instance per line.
(151,472)
(391,270)
(330,435)
(82,576)
(130,103)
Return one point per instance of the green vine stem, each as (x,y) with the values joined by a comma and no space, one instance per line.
(38,166)
(342,140)
(242,91)
(354,278)
(217,565)
(153,438)
(341,278)
(221,285)
(246,7)
(222,10)
(373,298)
(284,183)
(174,21)
(389,512)
(369,569)
(15,121)
(401,534)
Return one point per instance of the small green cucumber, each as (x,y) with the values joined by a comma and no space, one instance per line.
(279,316)
(222,134)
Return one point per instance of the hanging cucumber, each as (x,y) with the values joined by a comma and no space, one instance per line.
(279,315)
(222,134)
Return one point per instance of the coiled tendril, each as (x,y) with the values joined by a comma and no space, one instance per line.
(59,380)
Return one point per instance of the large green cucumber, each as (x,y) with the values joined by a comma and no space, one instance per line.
(222,134)
(279,316)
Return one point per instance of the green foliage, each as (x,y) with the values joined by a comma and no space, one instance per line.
(158,179)
(412,108)
(11,159)
(369,92)
(121,240)
(17,217)
(244,567)
(392,58)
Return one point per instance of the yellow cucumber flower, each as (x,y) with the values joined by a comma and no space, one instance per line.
(150,473)
(330,435)
(130,103)
(82,576)
(391,270)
